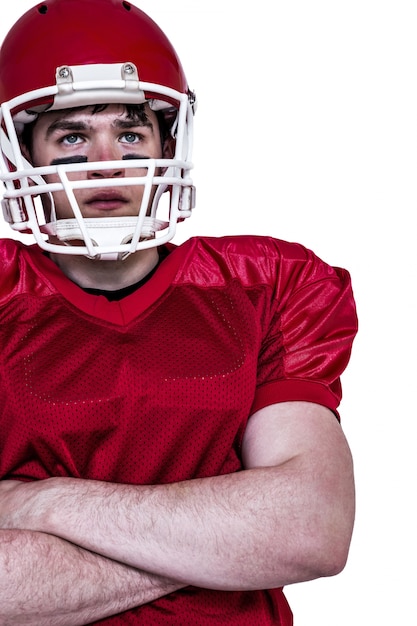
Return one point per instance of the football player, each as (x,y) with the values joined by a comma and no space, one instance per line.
(171,451)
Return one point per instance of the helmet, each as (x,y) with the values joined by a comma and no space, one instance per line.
(72,53)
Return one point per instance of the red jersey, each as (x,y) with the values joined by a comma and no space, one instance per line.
(158,387)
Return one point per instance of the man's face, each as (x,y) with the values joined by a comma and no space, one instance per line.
(108,135)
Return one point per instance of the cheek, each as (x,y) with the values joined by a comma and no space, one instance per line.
(62,204)
(40,155)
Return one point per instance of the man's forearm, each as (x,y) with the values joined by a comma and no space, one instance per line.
(226,532)
(286,518)
(46,581)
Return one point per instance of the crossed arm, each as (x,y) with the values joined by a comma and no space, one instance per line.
(286,518)
(46,581)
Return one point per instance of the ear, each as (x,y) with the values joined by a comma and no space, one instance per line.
(168,149)
(25,151)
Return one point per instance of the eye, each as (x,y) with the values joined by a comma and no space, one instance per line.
(130,138)
(72,139)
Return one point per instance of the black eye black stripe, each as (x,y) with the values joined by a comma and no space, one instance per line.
(84,159)
(70,159)
(127,157)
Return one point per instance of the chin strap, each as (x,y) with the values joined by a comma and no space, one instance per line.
(104,232)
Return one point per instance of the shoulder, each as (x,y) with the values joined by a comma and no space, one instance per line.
(9,248)
(9,266)
(247,246)
(255,260)
(17,263)
(9,256)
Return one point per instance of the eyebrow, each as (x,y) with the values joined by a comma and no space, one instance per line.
(128,123)
(66,125)
(77,126)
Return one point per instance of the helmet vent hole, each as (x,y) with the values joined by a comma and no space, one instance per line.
(127,6)
(43,9)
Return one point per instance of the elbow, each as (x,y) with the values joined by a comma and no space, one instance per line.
(328,551)
(332,525)
(323,538)
(319,559)
(333,560)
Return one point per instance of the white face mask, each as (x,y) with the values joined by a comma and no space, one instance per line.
(28,199)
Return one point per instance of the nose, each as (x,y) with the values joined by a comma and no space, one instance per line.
(101,152)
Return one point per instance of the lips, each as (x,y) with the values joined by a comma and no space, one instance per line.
(106,201)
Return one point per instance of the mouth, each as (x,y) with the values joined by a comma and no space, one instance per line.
(106,201)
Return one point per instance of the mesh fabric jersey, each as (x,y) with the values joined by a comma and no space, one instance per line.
(158,387)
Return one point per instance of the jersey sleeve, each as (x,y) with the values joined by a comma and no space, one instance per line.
(308,332)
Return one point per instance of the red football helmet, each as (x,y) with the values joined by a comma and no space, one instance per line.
(71,53)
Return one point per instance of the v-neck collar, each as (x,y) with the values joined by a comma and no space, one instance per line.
(119,312)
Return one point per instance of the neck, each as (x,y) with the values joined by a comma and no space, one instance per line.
(107,275)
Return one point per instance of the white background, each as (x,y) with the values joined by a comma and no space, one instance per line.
(306,129)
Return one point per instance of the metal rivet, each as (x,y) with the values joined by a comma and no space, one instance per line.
(64,72)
